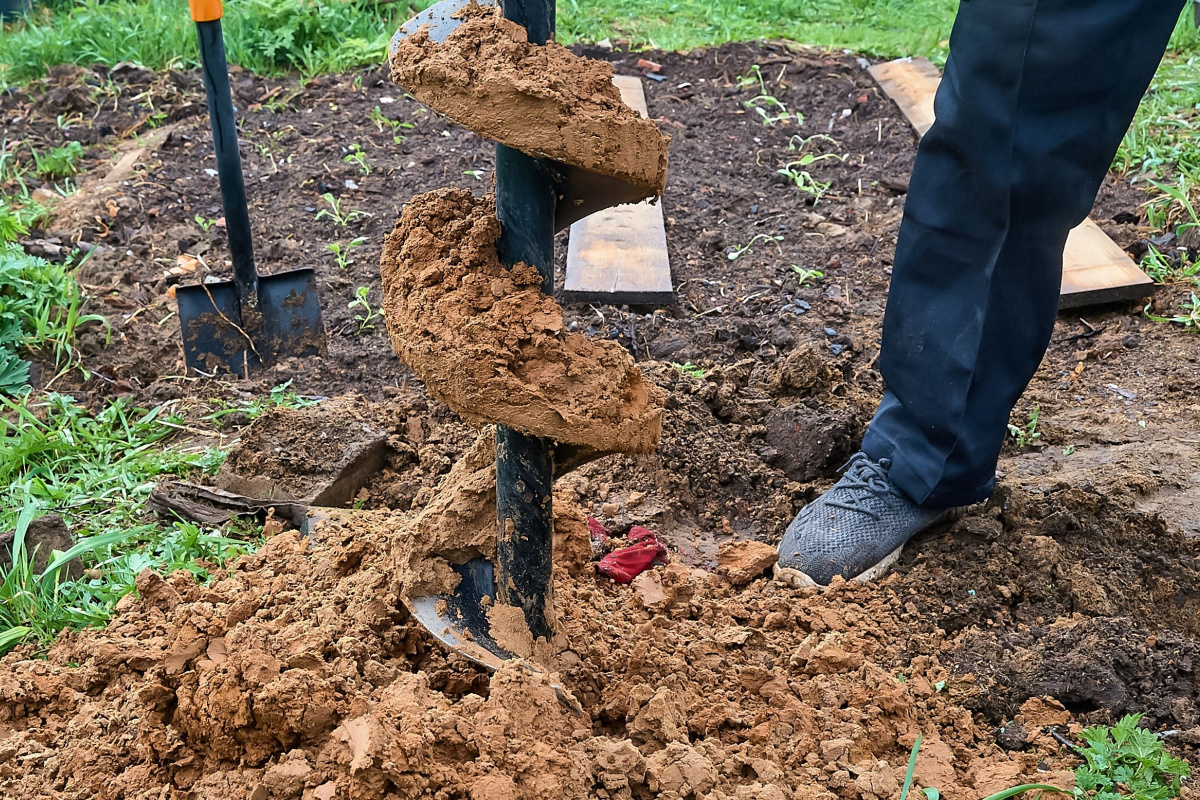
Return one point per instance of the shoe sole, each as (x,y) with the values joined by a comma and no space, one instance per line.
(796,579)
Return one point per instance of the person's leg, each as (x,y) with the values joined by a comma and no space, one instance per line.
(1035,99)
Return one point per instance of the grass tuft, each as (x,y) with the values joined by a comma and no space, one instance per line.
(269,37)
(95,470)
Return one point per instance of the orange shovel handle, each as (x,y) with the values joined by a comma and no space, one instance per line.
(205,10)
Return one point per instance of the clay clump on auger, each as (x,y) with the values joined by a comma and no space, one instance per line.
(490,345)
(540,99)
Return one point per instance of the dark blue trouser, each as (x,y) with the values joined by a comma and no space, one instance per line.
(1036,97)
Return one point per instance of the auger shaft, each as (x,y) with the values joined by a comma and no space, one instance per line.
(525,205)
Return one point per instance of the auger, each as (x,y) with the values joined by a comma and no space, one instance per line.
(535,198)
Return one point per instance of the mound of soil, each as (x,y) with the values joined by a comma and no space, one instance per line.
(317,455)
(299,674)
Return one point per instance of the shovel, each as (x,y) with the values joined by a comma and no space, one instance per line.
(254,320)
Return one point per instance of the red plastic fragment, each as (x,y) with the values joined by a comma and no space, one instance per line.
(644,550)
(648,65)
(596,530)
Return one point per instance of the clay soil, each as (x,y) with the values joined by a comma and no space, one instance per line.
(1069,598)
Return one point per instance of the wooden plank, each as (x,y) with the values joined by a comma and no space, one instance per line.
(1095,268)
(911,83)
(630,87)
(619,255)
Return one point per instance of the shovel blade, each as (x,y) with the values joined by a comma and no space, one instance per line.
(214,338)
(438,18)
(291,315)
(218,337)
(459,621)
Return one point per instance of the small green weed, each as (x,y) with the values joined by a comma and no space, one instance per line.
(736,252)
(1164,269)
(340,218)
(367,316)
(61,162)
(359,159)
(1127,761)
(204,223)
(341,252)
(691,370)
(17,217)
(1189,320)
(769,108)
(10,169)
(796,170)
(1173,206)
(385,123)
(1028,433)
(1123,762)
(803,276)
(280,396)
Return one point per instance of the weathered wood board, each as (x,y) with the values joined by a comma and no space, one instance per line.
(619,255)
(1095,268)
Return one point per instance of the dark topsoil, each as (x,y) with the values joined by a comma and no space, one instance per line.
(1078,579)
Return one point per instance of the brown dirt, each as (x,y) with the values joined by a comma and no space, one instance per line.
(299,672)
(489,344)
(1078,579)
(300,454)
(542,100)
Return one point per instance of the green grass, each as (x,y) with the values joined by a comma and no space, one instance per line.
(96,470)
(39,313)
(266,36)
(61,162)
(876,27)
(274,36)
(1122,762)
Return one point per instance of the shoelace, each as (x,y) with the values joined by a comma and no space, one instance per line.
(862,478)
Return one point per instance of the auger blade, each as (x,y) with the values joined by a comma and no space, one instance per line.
(438,18)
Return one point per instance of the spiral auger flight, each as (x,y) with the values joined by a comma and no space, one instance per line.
(468,285)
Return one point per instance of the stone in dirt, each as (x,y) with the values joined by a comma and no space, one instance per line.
(1038,712)
(650,591)
(44,535)
(743,561)
(540,99)
(490,345)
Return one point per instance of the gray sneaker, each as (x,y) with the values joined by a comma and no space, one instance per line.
(856,529)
